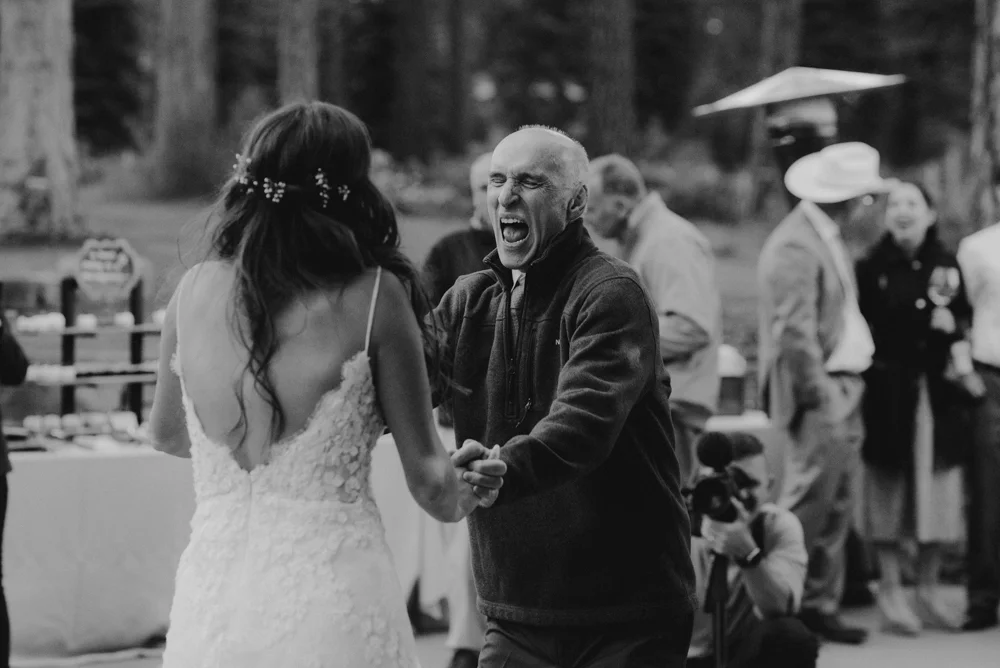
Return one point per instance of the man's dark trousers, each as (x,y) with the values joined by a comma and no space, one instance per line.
(784,642)
(638,645)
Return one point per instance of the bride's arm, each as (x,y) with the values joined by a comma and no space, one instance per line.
(404,395)
(167,423)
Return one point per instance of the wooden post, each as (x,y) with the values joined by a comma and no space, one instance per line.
(136,339)
(67,302)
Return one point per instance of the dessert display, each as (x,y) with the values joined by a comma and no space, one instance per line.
(92,430)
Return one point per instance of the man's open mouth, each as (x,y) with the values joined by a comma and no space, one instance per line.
(514,230)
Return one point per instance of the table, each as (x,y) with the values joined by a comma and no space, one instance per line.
(91,546)
(93,539)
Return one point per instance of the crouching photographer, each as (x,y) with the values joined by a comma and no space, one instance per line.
(749,561)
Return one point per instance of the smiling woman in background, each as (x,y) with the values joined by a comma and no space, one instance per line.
(911,294)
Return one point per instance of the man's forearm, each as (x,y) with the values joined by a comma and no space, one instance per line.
(770,585)
(680,337)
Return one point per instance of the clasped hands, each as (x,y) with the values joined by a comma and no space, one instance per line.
(481,470)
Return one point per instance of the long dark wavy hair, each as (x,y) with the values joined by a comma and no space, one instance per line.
(304,241)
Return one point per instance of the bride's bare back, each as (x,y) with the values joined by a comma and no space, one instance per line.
(317,334)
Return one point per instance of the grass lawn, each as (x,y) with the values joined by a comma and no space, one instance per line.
(171,235)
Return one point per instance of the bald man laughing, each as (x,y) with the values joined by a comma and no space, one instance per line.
(553,354)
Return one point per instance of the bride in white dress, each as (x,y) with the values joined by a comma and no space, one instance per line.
(283,358)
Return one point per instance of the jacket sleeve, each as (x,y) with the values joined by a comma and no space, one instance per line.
(441,327)
(613,361)
(13,362)
(793,281)
(681,283)
(961,308)
(437,274)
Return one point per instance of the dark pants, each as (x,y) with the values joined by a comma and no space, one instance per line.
(983,480)
(644,645)
(4,620)
(774,643)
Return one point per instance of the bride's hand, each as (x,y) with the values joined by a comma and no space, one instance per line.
(481,469)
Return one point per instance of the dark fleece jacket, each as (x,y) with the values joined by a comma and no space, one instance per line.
(590,527)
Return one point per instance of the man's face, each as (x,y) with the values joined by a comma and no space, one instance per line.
(479,179)
(527,197)
(755,467)
(606,213)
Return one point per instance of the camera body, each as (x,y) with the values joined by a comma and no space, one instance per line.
(712,494)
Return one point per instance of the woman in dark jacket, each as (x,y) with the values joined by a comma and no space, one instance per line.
(916,420)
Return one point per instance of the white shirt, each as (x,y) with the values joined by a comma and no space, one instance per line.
(979,258)
(855,349)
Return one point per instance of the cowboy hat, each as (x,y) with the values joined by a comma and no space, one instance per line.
(836,174)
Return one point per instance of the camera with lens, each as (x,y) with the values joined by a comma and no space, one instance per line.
(712,493)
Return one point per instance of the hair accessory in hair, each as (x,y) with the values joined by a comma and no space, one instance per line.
(242,169)
(323,186)
(274,190)
(344,191)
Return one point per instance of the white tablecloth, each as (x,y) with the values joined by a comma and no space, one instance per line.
(91,546)
(93,539)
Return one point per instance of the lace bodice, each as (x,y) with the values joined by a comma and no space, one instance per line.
(288,563)
(328,459)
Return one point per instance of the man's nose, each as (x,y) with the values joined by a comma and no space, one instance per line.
(508,194)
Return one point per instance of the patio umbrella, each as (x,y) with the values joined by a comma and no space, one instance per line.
(799,83)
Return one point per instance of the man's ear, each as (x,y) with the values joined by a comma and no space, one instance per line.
(623,206)
(578,203)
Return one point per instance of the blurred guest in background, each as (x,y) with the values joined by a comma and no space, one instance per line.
(13,368)
(916,420)
(979,257)
(461,253)
(677,266)
(456,255)
(797,128)
(767,572)
(814,346)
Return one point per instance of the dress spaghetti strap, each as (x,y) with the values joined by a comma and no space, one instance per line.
(371,309)
(175,362)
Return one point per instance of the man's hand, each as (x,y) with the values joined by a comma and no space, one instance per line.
(943,321)
(482,469)
(732,540)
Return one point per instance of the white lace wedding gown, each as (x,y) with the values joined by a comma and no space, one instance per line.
(288,566)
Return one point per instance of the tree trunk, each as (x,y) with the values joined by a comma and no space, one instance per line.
(38,158)
(985,141)
(298,50)
(185,98)
(612,86)
(333,86)
(780,35)
(411,116)
(458,70)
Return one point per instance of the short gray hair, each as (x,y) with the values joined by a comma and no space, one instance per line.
(618,176)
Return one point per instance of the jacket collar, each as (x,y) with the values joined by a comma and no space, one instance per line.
(888,252)
(555,258)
